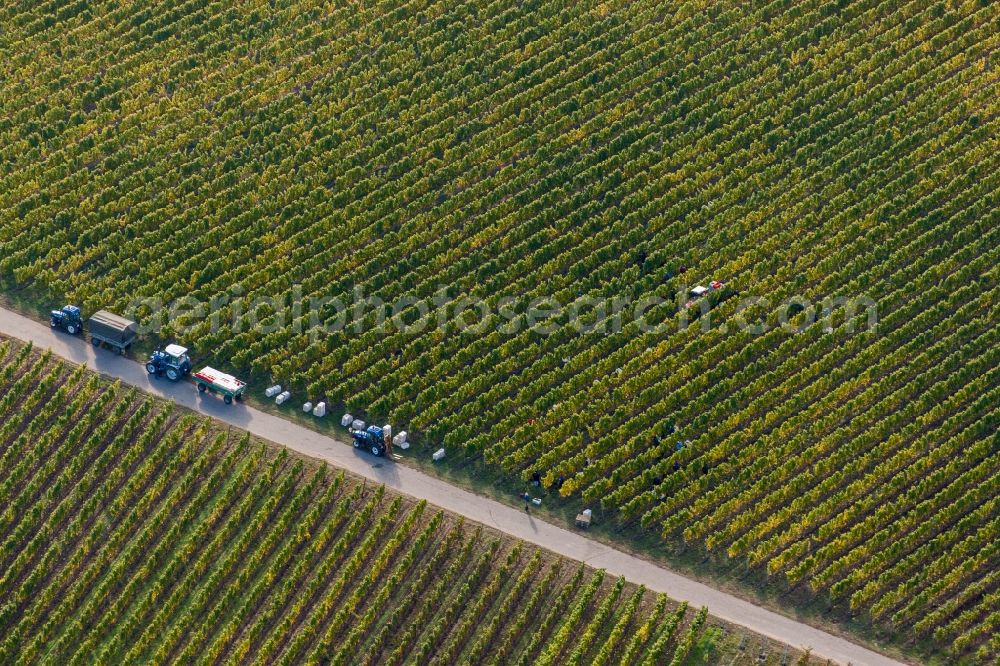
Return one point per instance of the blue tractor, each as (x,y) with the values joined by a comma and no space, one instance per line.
(173,362)
(374,439)
(68,319)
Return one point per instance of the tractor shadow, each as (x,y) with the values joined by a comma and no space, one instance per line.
(384,469)
(78,351)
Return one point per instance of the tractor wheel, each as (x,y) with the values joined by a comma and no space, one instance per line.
(376,451)
(172,375)
(150,368)
(54,323)
(202,388)
(95,342)
(357,444)
(239,397)
(121,351)
(228,399)
(71,329)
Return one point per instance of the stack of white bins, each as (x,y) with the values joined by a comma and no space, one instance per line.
(400,440)
(283,397)
(308,407)
(320,409)
(273,391)
(346,420)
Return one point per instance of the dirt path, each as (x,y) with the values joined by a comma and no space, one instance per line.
(508,519)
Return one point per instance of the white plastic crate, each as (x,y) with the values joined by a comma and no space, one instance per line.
(307,407)
(438,455)
(320,409)
(283,397)
(272,391)
(346,420)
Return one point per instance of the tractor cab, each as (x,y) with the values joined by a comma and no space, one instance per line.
(178,355)
(173,361)
(68,319)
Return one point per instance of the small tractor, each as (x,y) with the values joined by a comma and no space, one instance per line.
(173,361)
(68,319)
(375,438)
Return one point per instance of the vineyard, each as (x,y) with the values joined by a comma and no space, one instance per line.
(135,534)
(230,152)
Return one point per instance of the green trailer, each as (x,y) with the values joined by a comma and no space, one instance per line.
(210,379)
